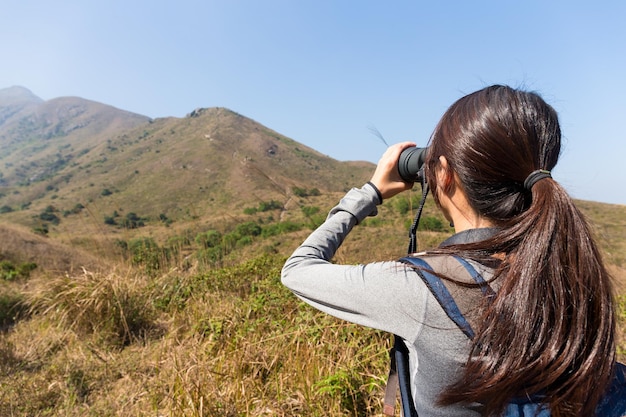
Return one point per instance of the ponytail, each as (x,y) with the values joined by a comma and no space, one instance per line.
(549,331)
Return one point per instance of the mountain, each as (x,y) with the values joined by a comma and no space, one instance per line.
(69,155)
(38,138)
(15,99)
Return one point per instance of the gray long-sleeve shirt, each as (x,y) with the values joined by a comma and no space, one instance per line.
(388,296)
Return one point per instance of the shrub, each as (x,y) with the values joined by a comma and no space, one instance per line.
(303,192)
(434,224)
(77,208)
(10,272)
(208,239)
(48,215)
(264,206)
(41,230)
(309,211)
(166,220)
(248,229)
(132,221)
(210,256)
(271,205)
(280,228)
(299,192)
(406,202)
(144,251)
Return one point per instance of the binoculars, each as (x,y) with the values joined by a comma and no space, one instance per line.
(410,164)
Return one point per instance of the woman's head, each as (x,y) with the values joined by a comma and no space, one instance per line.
(493,139)
(551,325)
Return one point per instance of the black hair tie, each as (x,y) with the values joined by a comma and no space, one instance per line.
(535,176)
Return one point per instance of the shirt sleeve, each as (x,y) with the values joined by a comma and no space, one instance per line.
(388,296)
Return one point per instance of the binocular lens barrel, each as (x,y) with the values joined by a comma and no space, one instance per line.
(410,164)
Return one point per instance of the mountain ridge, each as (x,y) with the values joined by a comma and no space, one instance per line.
(70,151)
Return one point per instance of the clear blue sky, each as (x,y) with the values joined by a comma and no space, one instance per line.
(323,72)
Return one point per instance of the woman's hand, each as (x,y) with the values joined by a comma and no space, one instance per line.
(386,177)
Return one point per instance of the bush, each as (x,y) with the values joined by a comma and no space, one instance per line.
(264,206)
(431,223)
(48,215)
(210,256)
(166,220)
(208,239)
(132,221)
(248,229)
(406,202)
(303,192)
(145,252)
(310,211)
(280,228)
(10,272)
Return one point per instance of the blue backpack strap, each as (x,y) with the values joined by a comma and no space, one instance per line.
(614,402)
(441,294)
(526,409)
(484,285)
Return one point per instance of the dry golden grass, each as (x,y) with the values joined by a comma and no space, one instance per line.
(229,341)
(192,340)
(233,342)
(19,244)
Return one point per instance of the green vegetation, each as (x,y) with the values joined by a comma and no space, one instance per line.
(49,215)
(264,206)
(10,272)
(432,223)
(303,192)
(130,221)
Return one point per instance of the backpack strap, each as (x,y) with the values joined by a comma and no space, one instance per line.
(399,368)
(614,402)
(441,293)
(478,279)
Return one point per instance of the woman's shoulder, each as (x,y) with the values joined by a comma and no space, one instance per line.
(449,267)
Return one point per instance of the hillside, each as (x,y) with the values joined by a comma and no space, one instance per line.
(13,100)
(69,163)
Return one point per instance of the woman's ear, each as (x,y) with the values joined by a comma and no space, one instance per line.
(445,176)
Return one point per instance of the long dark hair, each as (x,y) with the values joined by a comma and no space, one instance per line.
(550,329)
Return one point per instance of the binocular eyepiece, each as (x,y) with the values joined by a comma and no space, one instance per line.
(410,164)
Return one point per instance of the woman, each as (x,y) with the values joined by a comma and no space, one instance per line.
(549,329)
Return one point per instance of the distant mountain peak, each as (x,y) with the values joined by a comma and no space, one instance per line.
(18,93)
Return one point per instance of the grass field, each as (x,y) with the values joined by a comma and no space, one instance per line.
(163,335)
